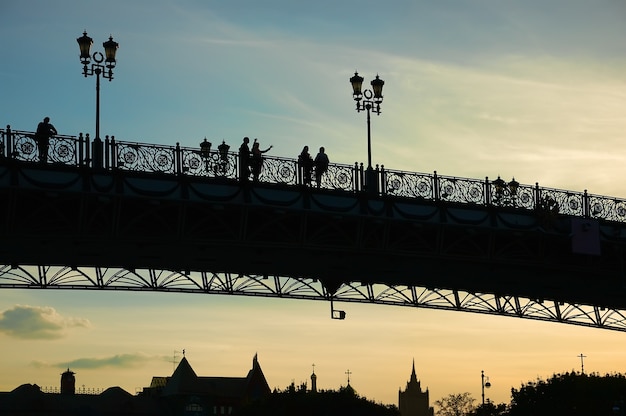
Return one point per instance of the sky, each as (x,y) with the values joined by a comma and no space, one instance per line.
(534,90)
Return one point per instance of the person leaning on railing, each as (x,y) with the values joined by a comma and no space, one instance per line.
(257,159)
(305,163)
(45,130)
(321,165)
(244,160)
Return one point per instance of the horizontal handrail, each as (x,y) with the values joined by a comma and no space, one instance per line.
(112,154)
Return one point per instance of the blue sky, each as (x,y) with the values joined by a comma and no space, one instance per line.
(534,90)
(474,89)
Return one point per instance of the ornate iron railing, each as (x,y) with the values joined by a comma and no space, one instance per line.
(79,390)
(112,154)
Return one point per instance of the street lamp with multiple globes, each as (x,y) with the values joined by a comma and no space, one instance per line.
(98,69)
(368,100)
(505,193)
(484,383)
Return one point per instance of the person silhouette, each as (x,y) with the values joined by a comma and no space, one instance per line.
(257,159)
(321,165)
(305,162)
(45,130)
(244,160)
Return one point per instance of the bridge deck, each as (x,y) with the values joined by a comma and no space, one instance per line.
(470,246)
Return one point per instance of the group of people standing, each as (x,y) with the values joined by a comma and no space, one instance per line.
(306,164)
(251,162)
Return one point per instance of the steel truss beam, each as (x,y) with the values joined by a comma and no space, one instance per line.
(97,278)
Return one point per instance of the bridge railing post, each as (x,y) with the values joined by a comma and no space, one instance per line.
(113,156)
(361,178)
(372,179)
(586,205)
(487,191)
(358,177)
(537,196)
(383,180)
(97,153)
(81,150)
(88,153)
(108,154)
(300,171)
(178,161)
(436,195)
(8,143)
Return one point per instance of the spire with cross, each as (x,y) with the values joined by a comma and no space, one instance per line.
(582,363)
(348,372)
(313,380)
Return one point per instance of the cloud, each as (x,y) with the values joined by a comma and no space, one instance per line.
(35,322)
(118,361)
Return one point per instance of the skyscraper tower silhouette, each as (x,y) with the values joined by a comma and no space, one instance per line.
(413,401)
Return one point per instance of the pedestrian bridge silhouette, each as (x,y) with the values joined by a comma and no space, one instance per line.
(115,215)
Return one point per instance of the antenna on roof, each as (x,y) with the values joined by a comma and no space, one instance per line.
(174,360)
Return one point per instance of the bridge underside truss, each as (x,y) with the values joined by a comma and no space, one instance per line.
(96,278)
(78,229)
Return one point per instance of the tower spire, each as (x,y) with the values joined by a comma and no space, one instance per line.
(414,401)
(313,380)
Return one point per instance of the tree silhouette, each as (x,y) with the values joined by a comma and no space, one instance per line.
(459,404)
(296,400)
(490,409)
(571,394)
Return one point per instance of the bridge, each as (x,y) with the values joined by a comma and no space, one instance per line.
(115,215)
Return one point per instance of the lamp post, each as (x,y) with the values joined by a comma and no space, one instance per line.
(98,69)
(205,151)
(368,100)
(484,383)
(502,187)
(222,149)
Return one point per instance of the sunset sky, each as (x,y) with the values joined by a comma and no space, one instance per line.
(532,89)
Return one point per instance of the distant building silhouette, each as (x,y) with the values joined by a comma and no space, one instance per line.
(68,382)
(313,381)
(183,393)
(220,395)
(413,401)
(348,389)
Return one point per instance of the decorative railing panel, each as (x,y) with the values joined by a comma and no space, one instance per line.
(212,164)
(409,184)
(62,149)
(466,191)
(341,177)
(606,208)
(279,170)
(563,202)
(144,158)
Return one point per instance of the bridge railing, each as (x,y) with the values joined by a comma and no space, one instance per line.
(112,154)
(62,149)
